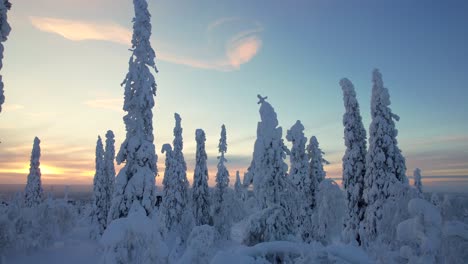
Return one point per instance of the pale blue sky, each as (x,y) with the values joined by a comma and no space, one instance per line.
(64,61)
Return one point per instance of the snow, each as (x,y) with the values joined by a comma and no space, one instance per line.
(455,228)
(133,239)
(292,252)
(421,234)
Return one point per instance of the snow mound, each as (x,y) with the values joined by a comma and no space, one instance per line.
(292,252)
(133,239)
(200,245)
(421,234)
(455,228)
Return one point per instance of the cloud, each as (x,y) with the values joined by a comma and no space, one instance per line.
(114,104)
(239,49)
(76,30)
(242,50)
(12,107)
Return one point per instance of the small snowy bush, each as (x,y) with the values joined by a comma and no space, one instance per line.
(329,214)
(292,252)
(200,245)
(133,239)
(421,234)
(270,224)
(25,228)
(455,242)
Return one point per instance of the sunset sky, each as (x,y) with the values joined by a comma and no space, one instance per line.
(65,59)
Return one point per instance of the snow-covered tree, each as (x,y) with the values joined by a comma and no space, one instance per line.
(316,162)
(299,170)
(385,165)
(417,180)
(354,161)
(273,191)
(200,191)
(5,29)
(300,177)
(221,219)
(136,180)
(99,211)
(239,189)
(327,221)
(175,195)
(33,191)
(268,169)
(109,169)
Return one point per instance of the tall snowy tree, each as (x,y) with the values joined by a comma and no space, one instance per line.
(33,191)
(299,170)
(268,169)
(5,29)
(238,188)
(354,161)
(135,182)
(200,191)
(316,162)
(300,177)
(418,181)
(175,196)
(220,207)
(99,211)
(385,165)
(109,169)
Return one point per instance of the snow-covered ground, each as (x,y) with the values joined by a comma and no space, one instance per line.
(76,246)
(73,248)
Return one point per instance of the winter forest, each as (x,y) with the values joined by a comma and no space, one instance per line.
(284,209)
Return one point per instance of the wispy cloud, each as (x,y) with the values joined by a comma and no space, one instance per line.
(77,30)
(239,49)
(12,107)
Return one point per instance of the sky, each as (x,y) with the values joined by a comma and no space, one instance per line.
(65,59)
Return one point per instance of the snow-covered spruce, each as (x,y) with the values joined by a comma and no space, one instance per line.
(99,210)
(300,177)
(200,191)
(385,165)
(354,161)
(239,188)
(417,181)
(5,29)
(299,170)
(273,191)
(109,169)
(316,162)
(136,180)
(33,191)
(221,220)
(268,169)
(175,194)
